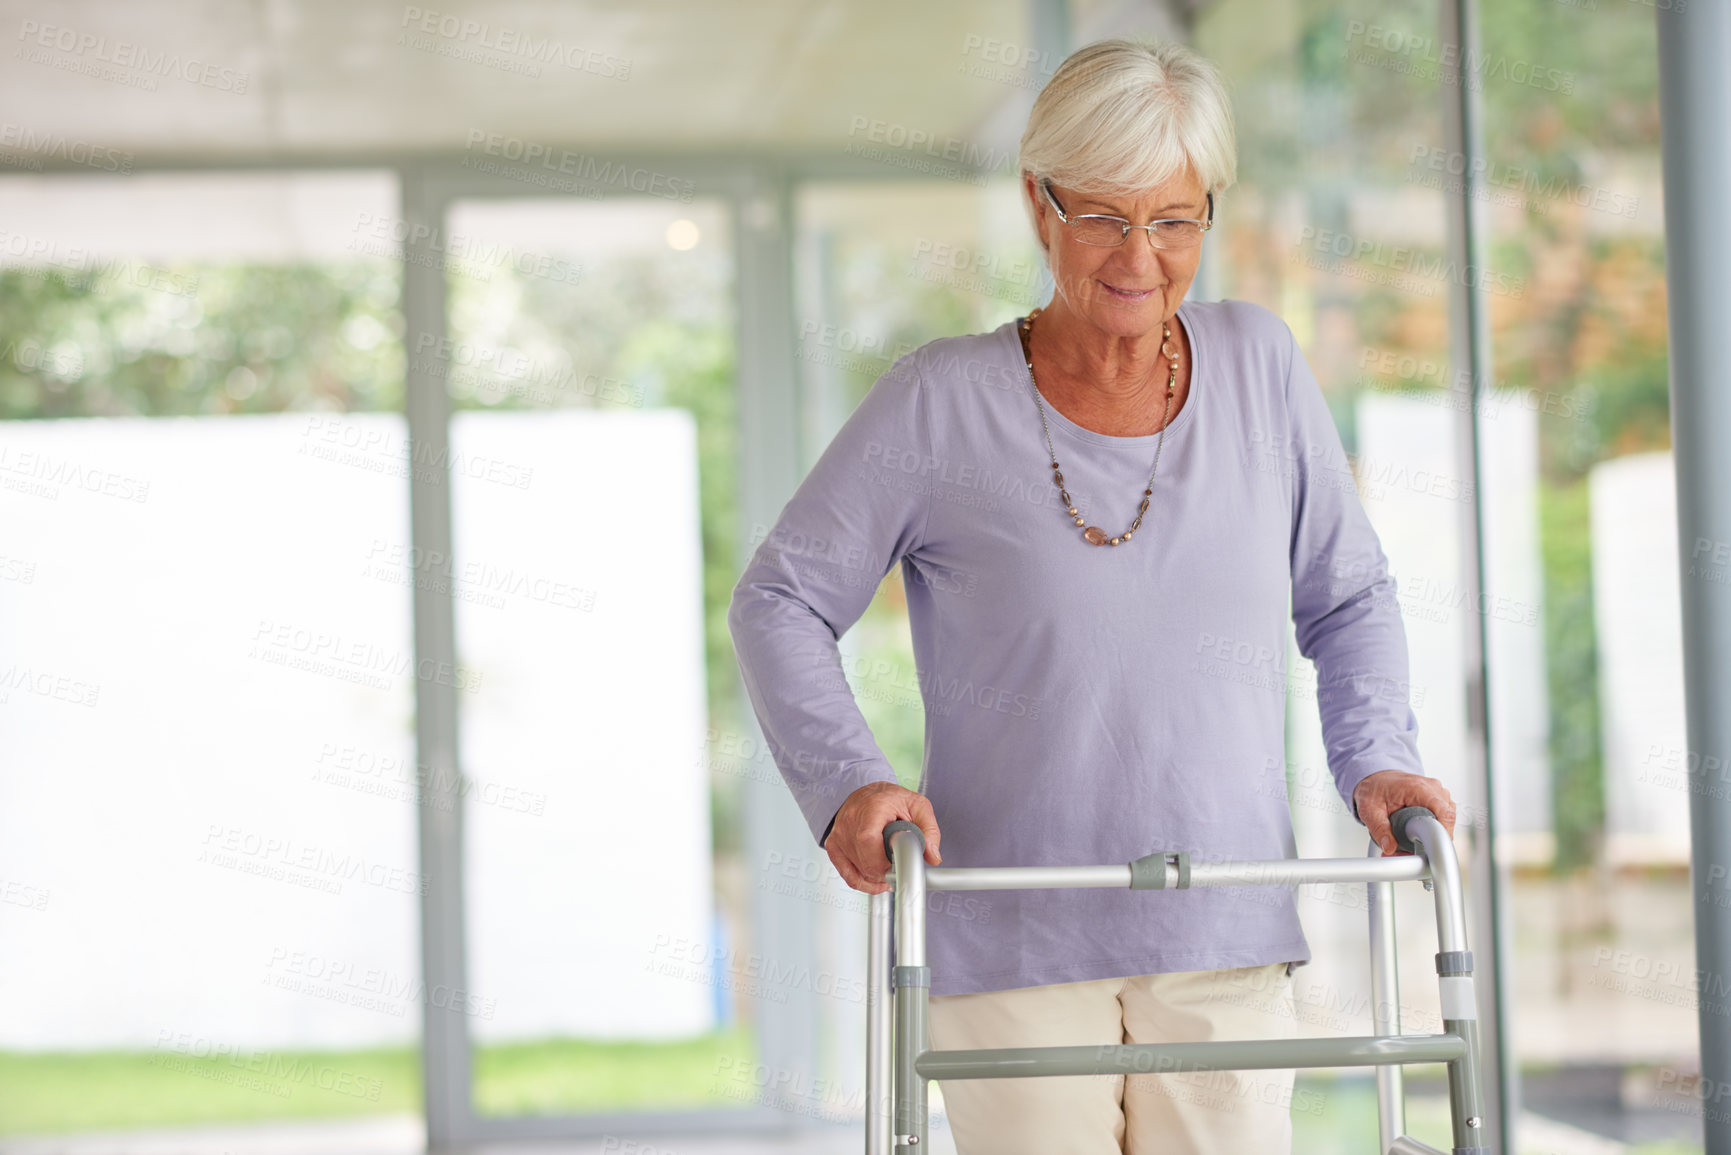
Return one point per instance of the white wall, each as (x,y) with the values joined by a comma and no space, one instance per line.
(206,729)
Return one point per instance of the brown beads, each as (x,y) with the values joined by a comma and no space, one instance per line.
(1093,534)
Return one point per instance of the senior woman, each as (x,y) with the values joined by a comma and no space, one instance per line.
(1101,511)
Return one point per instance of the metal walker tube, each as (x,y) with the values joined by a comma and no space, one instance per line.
(879,1104)
(1385,1009)
(910,981)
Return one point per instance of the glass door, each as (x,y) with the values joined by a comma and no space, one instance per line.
(589,358)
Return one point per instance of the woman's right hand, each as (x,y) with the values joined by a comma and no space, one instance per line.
(856,841)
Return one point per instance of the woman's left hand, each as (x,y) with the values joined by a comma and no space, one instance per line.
(1381,794)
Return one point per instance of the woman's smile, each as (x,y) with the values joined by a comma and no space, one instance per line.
(1126,294)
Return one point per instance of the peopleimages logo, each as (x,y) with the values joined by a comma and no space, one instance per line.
(1336,249)
(581,165)
(464,38)
(1531,186)
(99,56)
(53,145)
(923,141)
(1409,52)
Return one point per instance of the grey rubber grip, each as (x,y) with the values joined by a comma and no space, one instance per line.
(1454,962)
(902,824)
(1397,823)
(1149,871)
(910,977)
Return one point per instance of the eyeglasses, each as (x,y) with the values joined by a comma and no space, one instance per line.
(1100,229)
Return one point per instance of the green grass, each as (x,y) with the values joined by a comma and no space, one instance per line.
(571,1075)
(92,1091)
(119,1089)
(1331,1115)
(1336,1115)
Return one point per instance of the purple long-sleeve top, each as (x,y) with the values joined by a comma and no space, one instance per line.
(1087,704)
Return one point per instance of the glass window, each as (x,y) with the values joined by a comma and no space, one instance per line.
(206,671)
(1604,976)
(591,359)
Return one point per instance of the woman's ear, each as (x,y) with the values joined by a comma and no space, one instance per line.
(1038,207)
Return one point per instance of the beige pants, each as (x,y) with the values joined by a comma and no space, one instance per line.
(1187,1113)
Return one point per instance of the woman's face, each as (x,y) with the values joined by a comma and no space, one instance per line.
(1131,289)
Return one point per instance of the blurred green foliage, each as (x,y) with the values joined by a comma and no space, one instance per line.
(1577,771)
(239,339)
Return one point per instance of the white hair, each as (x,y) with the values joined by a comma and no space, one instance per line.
(1120,117)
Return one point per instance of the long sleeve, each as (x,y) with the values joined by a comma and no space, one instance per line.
(863,507)
(1344,602)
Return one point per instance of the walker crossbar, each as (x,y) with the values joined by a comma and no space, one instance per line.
(900,1061)
(1171,1058)
(1271,872)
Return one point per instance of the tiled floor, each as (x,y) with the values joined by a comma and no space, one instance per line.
(403,1136)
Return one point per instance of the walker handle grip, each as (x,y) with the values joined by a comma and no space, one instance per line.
(1397,824)
(898,825)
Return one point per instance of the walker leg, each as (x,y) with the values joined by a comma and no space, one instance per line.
(1465,1108)
(1454,966)
(911,980)
(910,1104)
(1385,1010)
(879,1105)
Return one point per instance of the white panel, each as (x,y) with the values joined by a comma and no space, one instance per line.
(1638,616)
(221,845)
(581,613)
(1413,492)
(1513,608)
(206,713)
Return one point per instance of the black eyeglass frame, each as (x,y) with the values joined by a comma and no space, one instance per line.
(1046,187)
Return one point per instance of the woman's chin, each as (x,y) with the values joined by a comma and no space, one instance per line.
(1126,318)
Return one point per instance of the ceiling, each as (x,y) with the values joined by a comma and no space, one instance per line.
(102,83)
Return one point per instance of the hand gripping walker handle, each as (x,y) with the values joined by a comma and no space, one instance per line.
(895,827)
(1398,821)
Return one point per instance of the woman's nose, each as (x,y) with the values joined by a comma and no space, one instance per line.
(1138,253)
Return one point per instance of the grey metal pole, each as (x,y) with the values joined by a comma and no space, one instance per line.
(1470,356)
(444,1035)
(878,1071)
(788,1030)
(912,981)
(1695,109)
(1385,1007)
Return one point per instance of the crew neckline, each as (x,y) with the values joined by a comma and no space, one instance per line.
(1059,421)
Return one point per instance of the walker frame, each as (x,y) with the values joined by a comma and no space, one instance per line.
(900,1061)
